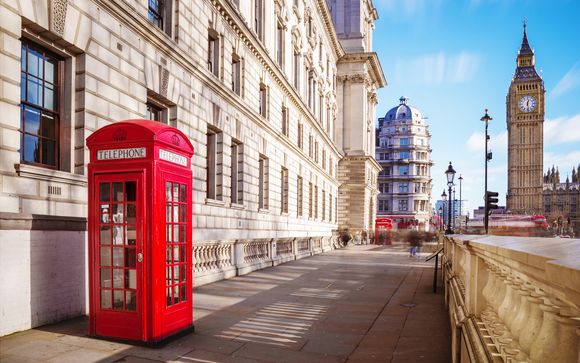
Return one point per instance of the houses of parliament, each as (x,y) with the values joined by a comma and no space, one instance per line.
(530,191)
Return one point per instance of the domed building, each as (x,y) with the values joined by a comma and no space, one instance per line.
(404,153)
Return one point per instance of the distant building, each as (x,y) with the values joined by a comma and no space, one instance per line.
(404,153)
(561,201)
(442,211)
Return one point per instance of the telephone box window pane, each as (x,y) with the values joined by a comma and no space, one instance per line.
(105,214)
(175,192)
(182,256)
(168,191)
(105,235)
(168,254)
(168,296)
(118,299)
(131,213)
(168,213)
(118,213)
(175,213)
(130,279)
(131,190)
(182,232)
(182,196)
(118,192)
(176,294)
(182,273)
(168,233)
(182,209)
(105,192)
(130,257)
(176,237)
(31,147)
(105,256)
(176,253)
(183,294)
(106,299)
(118,257)
(117,234)
(118,278)
(130,300)
(105,277)
(131,235)
(175,274)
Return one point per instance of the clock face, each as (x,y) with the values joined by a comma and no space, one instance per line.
(527,103)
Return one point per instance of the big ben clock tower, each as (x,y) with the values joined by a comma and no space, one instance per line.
(525,107)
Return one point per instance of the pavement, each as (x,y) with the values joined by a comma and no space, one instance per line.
(358,304)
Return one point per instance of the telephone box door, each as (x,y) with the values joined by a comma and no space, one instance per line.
(118,248)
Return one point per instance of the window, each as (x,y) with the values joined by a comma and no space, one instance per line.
(285,121)
(404,155)
(154,112)
(403,205)
(310,206)
(403,187)
(213,53)
(299,196)
(329,207)
(284,190)
(336,209)
(404,141)
(175,267)
(300,141)
(403,169)
(310,145)
(296,70)
(263,100)
(323,205)
(316,152)
(259,18)
(323,159)
(316,202)
(214,164)
(237,169)
(263,182)
(310,90)
(236,74)
(41,96)
(280,45)
(159,14)
(320,110)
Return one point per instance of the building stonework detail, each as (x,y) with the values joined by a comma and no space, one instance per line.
(261,88)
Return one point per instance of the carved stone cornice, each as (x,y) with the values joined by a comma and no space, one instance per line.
(373,65)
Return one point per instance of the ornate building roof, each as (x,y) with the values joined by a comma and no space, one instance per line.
(403,112)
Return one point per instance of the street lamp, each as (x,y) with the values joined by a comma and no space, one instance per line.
(450,173)
(444,199)
(460,201)
(440,215)
(486,118)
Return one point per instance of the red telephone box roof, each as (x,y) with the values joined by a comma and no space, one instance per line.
(140,130)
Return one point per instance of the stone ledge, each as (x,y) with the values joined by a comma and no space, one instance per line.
(39,222)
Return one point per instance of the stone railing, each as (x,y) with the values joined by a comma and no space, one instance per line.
(513,299)
(218,260)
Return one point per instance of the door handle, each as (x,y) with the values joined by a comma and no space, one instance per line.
(140,257)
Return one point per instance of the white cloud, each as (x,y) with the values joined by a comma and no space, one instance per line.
(562,130)
(570,81)
(409,8)
(564,162)
(439,68)
(497,142)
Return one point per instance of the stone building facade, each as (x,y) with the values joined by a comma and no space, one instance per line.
(404,152)
(525,108)
(268,91)
(561,202)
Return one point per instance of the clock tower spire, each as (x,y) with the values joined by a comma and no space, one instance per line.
(525,107)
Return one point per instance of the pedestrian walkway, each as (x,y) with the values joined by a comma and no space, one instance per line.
(359,304)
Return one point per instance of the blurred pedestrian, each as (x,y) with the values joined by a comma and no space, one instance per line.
(414,238)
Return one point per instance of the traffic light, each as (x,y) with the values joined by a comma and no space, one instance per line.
(491,200)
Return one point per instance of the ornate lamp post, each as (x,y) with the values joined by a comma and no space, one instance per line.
(460,202)
(440,215)
(486,118)
(444,199)
(450,173)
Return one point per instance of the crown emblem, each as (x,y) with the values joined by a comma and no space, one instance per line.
(120,135)
(175,140)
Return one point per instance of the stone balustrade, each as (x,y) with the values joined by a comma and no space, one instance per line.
(513,299)
(218,260)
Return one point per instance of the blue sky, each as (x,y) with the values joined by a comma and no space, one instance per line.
(455,58)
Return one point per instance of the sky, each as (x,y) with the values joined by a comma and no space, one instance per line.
(455,58)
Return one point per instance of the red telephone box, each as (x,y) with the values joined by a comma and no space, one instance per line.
(139,222)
